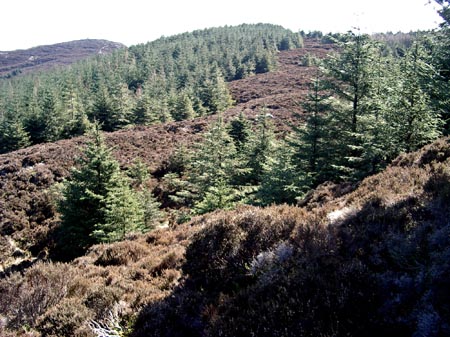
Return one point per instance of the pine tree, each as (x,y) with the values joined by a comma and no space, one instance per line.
(258,148)
(52,118)
(184,108)
(221,195)
(215,94)
(123,212)
(309,139)
(145,111)
(102,109)
(239,130)
(98,204)
(77,121)
(441,58)
(123,104)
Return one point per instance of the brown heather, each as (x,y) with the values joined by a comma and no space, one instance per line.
(328,268)
(368,263)
(369,259)
(27,214)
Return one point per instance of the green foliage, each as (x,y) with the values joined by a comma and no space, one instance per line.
(123,213)
(382,105)
(179,77)
(150,207)
(98,204)
(211,169)
(279,181)
(12,134)
(259,147)
(239,130)
(416,120)
(138,172)
(214,95)
(311,140)
(221,195)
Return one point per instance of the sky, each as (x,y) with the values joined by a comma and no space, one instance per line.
(29,23)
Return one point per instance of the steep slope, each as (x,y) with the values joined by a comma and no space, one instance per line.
(16,62)
(372,262)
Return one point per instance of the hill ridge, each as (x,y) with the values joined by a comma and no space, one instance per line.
(15,62)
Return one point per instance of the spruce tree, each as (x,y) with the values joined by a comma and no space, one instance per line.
(214,93)
(259,147)
(309,139)
(123,212)
(211,169)
(184,108)
(441,59)
(102,109)
(144,112)
(12,134)
(352,77)
(279,180)
(239,130)
(98,204)
(417,121)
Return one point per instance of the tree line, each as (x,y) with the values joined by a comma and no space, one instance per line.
(172,78)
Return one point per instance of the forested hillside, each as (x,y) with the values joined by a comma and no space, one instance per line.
(262,183)
(174,78)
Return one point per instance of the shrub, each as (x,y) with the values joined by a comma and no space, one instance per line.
(25,299)
(65,319)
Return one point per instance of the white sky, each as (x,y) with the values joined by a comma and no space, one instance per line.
(29,23)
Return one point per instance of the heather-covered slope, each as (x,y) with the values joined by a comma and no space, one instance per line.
(358,259)
(371,262)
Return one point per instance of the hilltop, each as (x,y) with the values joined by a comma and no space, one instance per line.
(39,58)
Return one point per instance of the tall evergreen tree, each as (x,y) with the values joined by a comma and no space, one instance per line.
(417,121)
(98,204)
(442,62)
(258,148)
(211,169)
(352,77)
(310,138)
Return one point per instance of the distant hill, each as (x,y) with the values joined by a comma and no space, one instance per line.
(13,63)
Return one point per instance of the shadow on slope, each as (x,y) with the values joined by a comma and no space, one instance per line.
(373,262)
